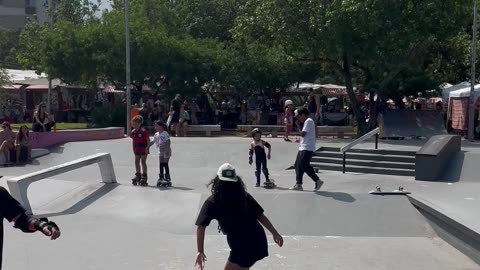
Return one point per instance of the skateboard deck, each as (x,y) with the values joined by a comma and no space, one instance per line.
(379,191)
(374,192)
(169,120)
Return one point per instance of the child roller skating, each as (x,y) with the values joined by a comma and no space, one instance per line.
(140,141)
(162,141)
(257,147)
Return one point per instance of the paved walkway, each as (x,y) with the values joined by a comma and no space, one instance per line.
(126,227)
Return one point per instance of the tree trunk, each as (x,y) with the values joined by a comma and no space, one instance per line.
(359,115)
(373,111)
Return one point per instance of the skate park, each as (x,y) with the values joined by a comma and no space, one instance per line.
(120,226)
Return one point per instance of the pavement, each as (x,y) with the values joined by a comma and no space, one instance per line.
(340,227)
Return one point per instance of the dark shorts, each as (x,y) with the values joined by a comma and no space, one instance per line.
(139,152)
(244,261)
(175,118)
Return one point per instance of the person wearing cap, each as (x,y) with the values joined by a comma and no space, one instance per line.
(175,113)
(7,140)
(305,151)
(288,119)
(239,217)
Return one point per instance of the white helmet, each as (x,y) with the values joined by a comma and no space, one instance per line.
(288,102)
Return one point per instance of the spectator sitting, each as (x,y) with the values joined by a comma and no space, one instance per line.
(184,118)
(41,120)
(23,142)
(7,140)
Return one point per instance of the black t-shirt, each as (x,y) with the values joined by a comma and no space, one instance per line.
(244,232)
(176,106)
(9,208)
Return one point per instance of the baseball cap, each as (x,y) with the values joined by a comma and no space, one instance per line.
(288,102)
(226,172)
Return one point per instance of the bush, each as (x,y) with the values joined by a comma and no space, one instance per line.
(109,116)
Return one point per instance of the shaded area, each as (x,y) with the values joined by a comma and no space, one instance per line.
(85,202)
(412,123)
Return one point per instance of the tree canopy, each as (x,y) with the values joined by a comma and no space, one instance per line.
(394,48)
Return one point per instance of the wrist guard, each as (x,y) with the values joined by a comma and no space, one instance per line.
(43,223)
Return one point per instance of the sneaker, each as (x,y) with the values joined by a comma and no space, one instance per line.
(297,187)
(257,184)
(318,185)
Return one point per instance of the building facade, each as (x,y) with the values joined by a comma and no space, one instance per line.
(12,14)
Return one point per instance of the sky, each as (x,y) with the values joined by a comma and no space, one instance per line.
(104,4)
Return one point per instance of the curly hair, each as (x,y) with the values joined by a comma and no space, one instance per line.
(229,197)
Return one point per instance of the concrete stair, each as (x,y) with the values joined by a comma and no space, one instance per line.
(387,162)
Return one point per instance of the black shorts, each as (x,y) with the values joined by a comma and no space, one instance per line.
(175,118)
(245,260)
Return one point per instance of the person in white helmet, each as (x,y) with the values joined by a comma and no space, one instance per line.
(239,217)
(288,119)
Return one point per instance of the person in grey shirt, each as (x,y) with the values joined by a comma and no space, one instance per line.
(305,151)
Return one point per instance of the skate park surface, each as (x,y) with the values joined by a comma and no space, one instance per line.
(119,226)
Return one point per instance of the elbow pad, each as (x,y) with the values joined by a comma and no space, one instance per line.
(250,153)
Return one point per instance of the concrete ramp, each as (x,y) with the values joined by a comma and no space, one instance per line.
(128,227)
(411,123)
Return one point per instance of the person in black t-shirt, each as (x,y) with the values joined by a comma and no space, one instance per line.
(239,217)
(14,212)
(175,113)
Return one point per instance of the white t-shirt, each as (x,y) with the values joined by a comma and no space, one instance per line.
(308,141)
(160,140)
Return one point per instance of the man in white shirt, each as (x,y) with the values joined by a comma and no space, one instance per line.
(305,150)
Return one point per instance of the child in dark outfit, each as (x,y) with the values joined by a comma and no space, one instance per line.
(239,217)
(257,147)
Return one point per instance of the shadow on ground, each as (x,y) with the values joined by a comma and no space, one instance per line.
(338,196)
(85,202)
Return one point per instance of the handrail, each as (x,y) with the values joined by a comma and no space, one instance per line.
(361,139)
(349,146)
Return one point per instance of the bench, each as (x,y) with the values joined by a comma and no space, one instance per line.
(274,130)
(18,185)
(205,128)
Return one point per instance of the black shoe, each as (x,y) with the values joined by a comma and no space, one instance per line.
(257,184)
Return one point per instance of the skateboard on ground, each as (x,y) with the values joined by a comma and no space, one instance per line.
(378,191)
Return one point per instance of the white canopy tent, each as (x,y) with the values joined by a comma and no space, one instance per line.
(465,92)
(446,91)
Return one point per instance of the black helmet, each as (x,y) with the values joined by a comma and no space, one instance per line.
(256,131)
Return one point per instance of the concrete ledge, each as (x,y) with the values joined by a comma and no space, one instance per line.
(47,139)
(432,159)
(274,130)
(205,128)
(18,185)
(452,231)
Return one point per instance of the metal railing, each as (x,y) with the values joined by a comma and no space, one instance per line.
(365,137)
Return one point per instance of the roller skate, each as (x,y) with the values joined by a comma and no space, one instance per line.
(143,181)
(168,181)
(160,180)
(269,184)
(136,179)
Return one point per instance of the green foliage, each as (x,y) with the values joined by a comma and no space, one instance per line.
(109,116)
(8,50)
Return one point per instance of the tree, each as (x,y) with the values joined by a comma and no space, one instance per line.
(8,48)
(381,39)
